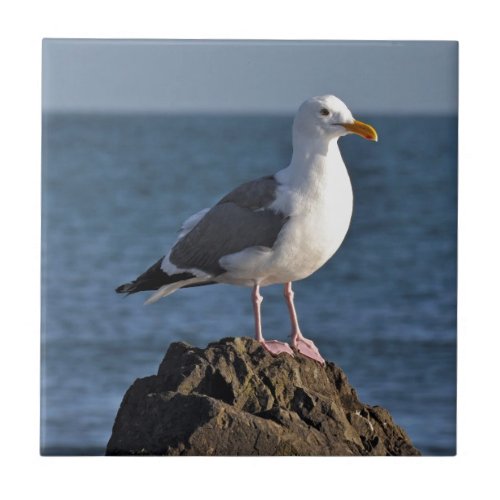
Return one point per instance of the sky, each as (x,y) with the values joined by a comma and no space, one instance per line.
(247,76)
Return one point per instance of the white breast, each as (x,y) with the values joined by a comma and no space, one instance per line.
(318,224)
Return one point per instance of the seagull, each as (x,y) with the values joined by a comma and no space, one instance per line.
(273,230)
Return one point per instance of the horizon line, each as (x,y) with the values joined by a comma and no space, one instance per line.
(190,113)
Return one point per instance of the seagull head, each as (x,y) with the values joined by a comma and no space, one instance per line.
(326,117)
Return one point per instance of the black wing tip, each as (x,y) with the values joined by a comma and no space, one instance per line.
(153,279)
(125,288)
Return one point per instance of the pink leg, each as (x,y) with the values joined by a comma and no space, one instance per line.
(273,346)
(299,342)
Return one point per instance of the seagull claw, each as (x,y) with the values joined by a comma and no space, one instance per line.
(308,349)
(275,347)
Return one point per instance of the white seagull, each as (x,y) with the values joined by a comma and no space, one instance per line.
(272,230)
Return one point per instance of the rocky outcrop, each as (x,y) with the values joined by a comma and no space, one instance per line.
(234,398)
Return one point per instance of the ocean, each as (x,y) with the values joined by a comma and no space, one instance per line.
(115,189)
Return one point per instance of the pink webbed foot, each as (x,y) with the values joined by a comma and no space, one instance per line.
(307,348)
(276,347)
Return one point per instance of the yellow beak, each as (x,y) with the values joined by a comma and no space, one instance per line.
(362,129)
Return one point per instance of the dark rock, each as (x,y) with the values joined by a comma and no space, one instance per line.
(234,398)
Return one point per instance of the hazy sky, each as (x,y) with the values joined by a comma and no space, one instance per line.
(225,76)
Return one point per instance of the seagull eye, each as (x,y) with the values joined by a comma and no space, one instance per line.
(324,112)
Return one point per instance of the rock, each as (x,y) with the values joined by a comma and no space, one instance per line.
(234,398)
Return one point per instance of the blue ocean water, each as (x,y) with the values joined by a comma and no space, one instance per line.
(117,187)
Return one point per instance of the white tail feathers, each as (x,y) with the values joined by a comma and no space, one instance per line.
(166,290)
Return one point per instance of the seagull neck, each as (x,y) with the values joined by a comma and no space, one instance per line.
(313,160)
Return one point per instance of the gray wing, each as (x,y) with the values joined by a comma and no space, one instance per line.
(240,220)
